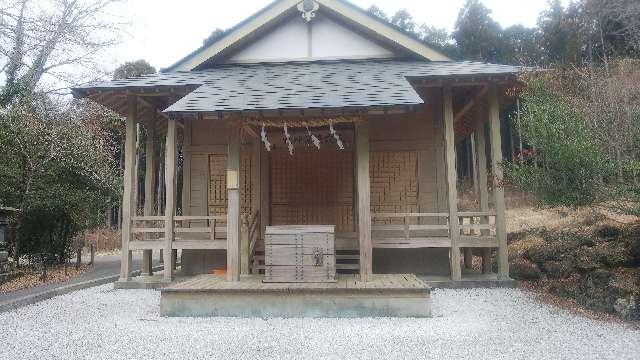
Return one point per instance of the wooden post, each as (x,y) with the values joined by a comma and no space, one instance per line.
(265,199)
(498,190)
(233,207)
(149,191)
(186,171)
(170,204)
(78,257)
(244,245)
(128,203)
(450,156)
(364,200)
(483,188)
(474,163)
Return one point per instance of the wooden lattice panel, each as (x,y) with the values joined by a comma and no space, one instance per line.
(312,188)
(394,181)
(218,184)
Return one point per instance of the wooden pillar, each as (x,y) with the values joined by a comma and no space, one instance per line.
(128,198)
(244,244)
(474,163)
(483,189)
(265,199)
(233,207)
(170,203)
(186,169)
(149,191)
(498,190)
(450,157)
(364,201)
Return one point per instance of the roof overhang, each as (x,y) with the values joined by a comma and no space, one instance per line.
(311,87)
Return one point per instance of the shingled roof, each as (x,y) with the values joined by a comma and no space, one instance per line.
(301,85)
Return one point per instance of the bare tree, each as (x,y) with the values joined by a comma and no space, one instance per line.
(58,39)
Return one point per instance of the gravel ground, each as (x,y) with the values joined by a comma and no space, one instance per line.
(101,323)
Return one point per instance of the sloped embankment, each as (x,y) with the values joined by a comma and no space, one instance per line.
(584,255)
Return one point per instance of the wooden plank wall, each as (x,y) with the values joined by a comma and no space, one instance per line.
(317,187)
(312,188)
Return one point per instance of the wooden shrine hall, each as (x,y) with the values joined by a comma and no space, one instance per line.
(312,126)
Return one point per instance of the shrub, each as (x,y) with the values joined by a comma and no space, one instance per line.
(559,269)
(608,232)
(60,174)
(521,269)
(567,164)
(552,250)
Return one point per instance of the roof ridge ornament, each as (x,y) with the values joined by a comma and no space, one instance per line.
(308,9)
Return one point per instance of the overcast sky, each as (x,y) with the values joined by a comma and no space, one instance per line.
(163,31)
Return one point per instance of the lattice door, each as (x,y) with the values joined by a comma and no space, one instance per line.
(394,181)
(313,188)
(218,183)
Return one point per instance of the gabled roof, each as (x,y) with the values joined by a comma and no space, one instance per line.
(281,8)
(302,85)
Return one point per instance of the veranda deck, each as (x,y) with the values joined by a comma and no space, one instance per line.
(400,295)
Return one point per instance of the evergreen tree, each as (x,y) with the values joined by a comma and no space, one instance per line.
(476,33)
(374,10)
(403,19)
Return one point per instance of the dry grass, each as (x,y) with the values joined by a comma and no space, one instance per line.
(31,278)
(539,289)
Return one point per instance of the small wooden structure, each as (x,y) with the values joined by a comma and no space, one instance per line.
(351,123)
(299,253)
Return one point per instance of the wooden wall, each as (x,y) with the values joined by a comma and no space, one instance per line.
(317,187)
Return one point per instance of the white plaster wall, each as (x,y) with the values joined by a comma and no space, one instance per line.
(332,40)
(289,40)
(329,40)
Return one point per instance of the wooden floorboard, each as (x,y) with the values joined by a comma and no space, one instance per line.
(254,283)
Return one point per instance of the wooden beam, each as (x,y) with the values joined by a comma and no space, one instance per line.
(469,105)
(498,189)
(364,200)
(128,203)
(170,205)
(149,190)
(450,157)
(233,206)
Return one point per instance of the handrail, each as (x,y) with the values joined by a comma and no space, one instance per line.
(148,218)
(196,218)
(476,213)
(405,215)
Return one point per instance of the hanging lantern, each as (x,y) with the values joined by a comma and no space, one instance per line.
(266,142)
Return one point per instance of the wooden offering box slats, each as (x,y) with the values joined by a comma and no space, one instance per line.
(300,253)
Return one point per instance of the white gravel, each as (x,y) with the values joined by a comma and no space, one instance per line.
(101,323)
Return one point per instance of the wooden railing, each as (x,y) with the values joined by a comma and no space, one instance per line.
(148,232)
(200,232)
(190,232)
(420,230)
(477,229)
(410,230)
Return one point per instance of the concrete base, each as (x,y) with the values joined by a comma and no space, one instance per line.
(487,281)
(142,282)
(204,297)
